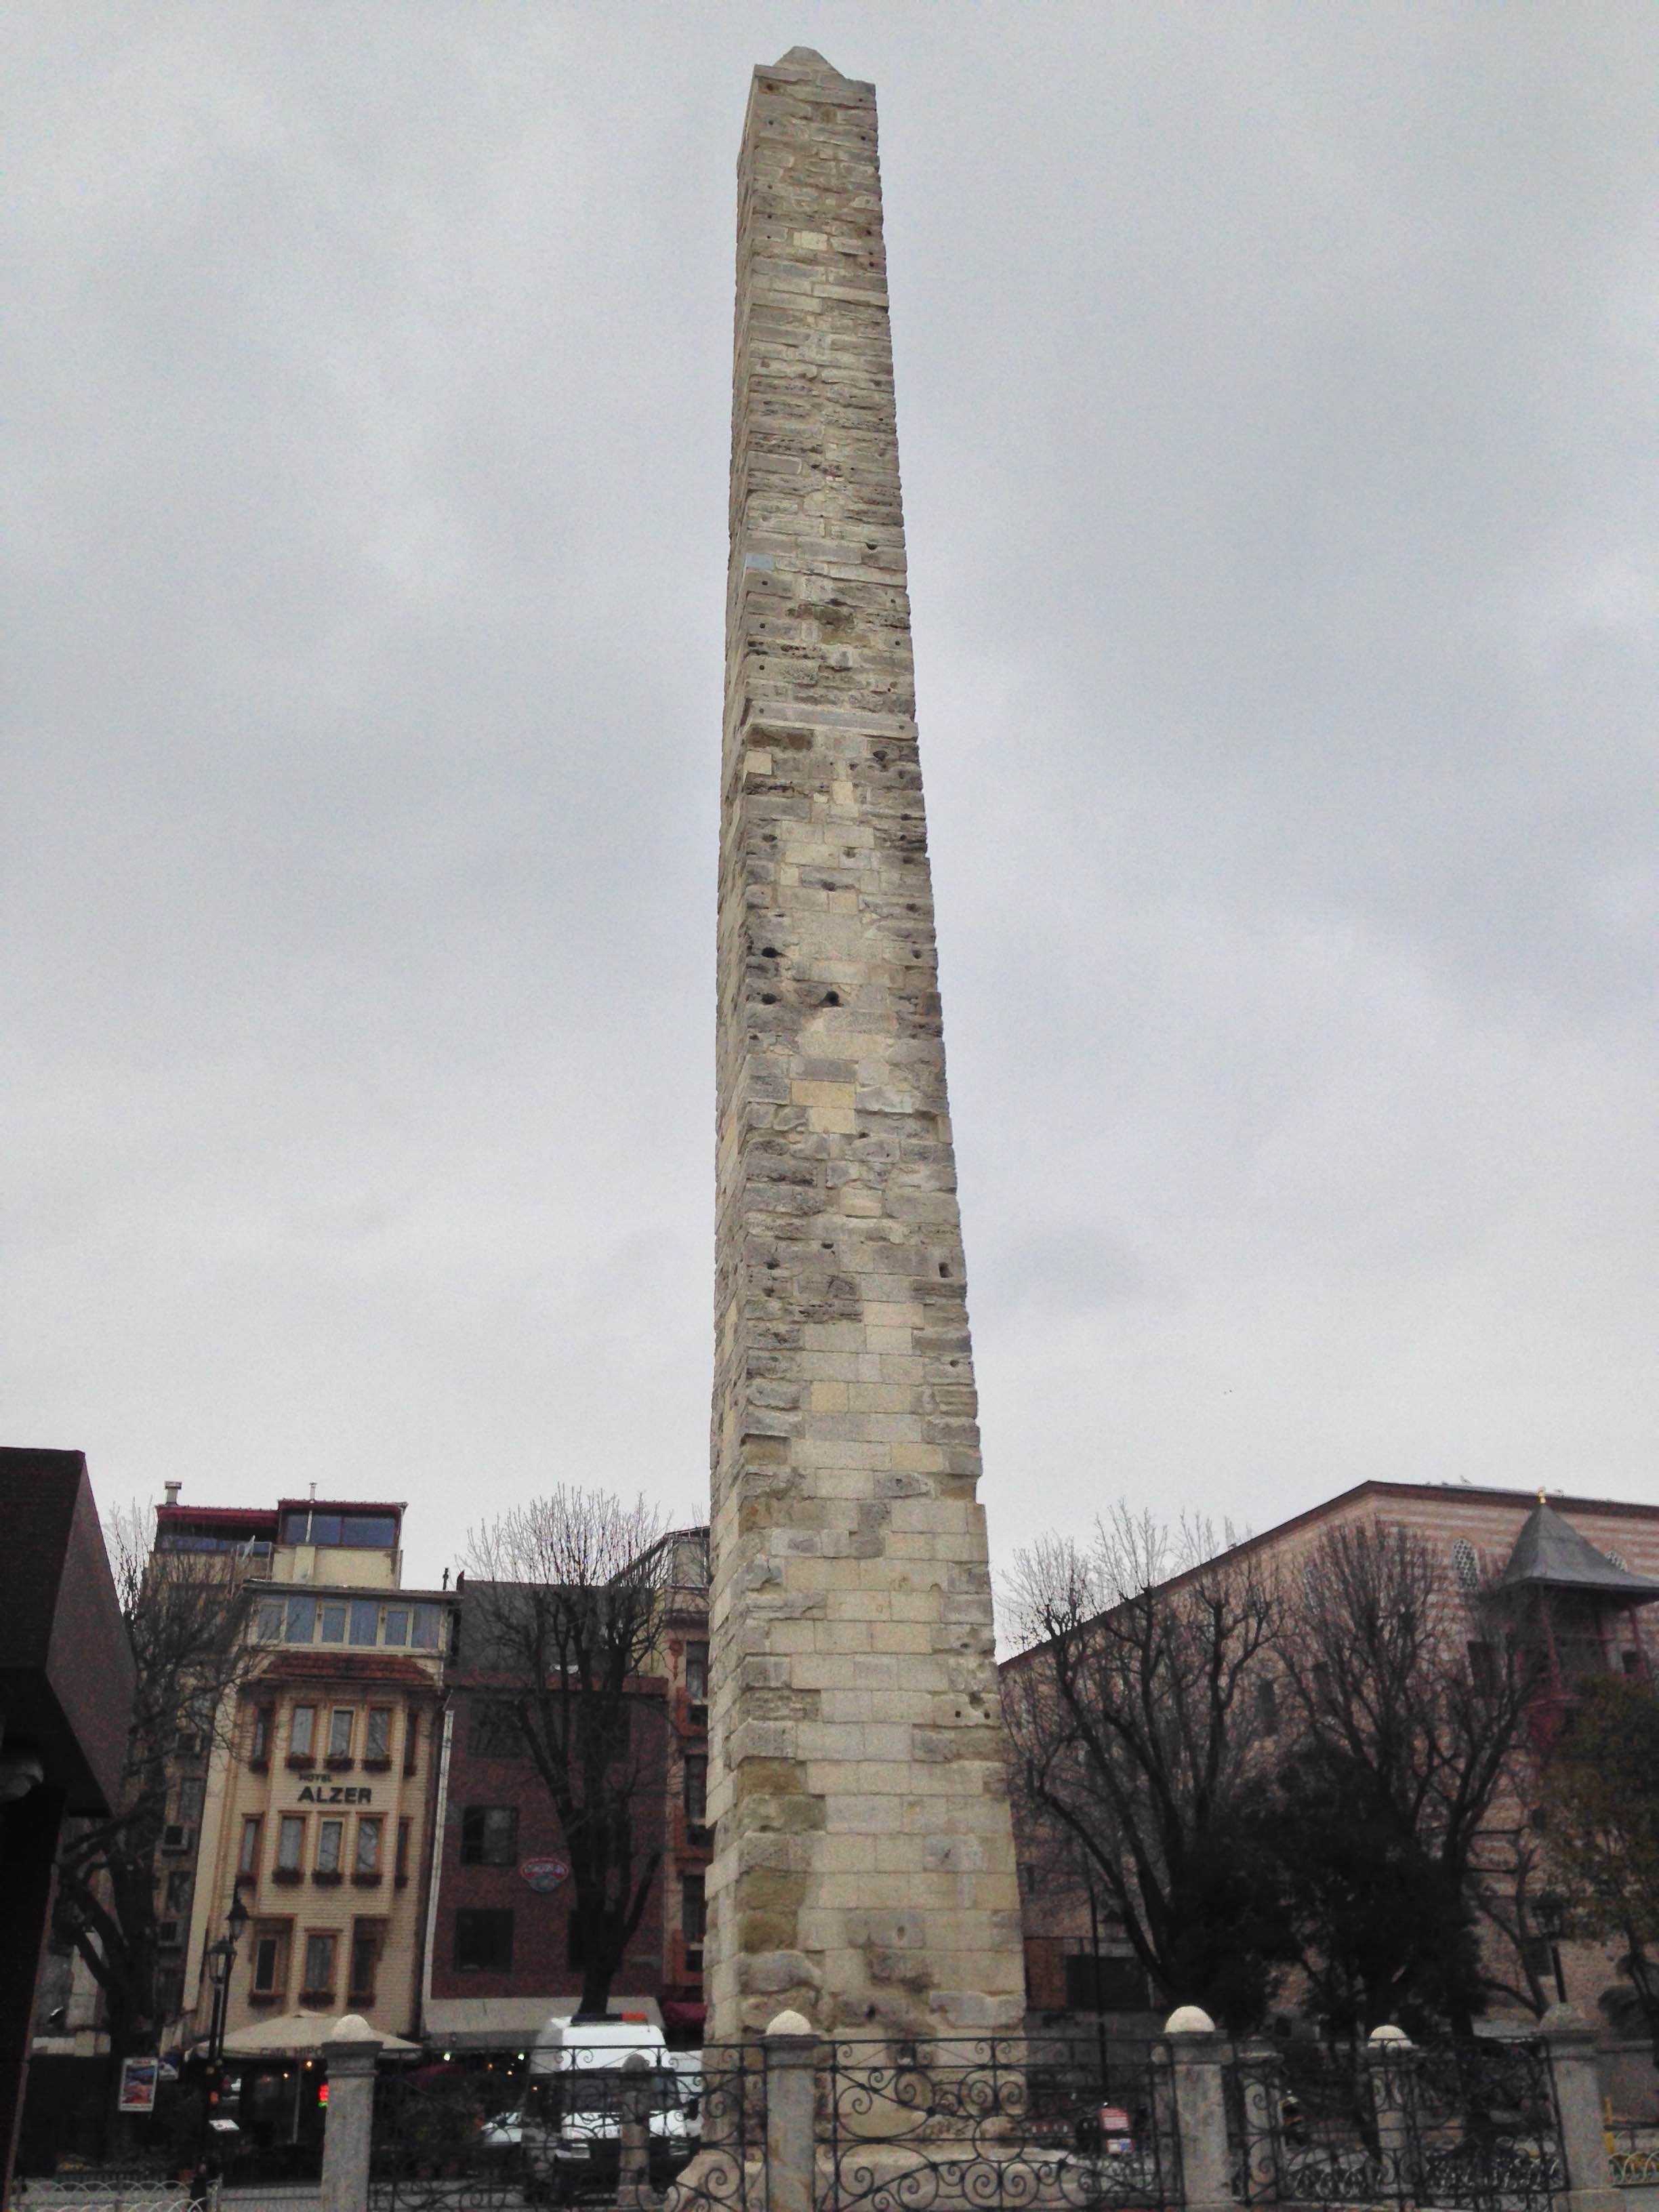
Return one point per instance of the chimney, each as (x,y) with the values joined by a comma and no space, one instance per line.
(173,1490)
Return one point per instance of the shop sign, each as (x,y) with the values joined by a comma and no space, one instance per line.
(138,2080)
(543,1876)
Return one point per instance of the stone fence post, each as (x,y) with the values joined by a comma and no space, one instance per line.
(1197,2066)
(1570,2042)
(349,2056)
(791,2051)
(1388,2057)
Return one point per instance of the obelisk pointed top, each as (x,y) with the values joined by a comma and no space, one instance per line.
(807,57)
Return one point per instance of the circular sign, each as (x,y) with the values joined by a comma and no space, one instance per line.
(543,1876)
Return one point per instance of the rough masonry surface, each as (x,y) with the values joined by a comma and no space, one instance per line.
(864,1870)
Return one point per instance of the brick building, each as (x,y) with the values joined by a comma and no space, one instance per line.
(503,1956)
(1577,1578)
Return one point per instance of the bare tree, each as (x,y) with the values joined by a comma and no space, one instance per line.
(1134,1713)
(1409,1700)
(562,1608)
(184,1614)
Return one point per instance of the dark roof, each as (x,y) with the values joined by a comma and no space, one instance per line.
(329,1663)
(218,1516)
(342,1505)
(1550,1552)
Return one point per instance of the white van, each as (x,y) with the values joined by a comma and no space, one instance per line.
(572,2107)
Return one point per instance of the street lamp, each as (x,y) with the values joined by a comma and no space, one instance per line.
(221,1957)
(1549,1914)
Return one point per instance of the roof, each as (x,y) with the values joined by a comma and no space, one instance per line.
(1549,1552)
(219,1516)
(327,1661)
(343,1506)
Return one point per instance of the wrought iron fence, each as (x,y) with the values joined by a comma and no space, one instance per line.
(996,2123)
(445,2142)
(1632,2154)
(1467,2125)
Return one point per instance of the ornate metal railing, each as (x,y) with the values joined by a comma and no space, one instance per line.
(1632,2155)
(1470,2124)
(997,2124)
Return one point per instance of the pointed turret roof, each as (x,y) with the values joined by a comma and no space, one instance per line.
(1550,1552)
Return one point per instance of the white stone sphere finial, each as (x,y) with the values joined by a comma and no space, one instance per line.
(790,2023)
(1189,2019)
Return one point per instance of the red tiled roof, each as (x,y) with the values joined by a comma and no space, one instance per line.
(327,1661)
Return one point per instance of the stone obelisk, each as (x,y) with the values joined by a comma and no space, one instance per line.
(864,1871)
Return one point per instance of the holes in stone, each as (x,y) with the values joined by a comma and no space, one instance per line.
(832,998)
(768,998)
(944,1271)
(768,953)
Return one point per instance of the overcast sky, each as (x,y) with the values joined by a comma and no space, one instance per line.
(1277,398)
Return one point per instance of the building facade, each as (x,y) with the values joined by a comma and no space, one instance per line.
(314,1807)
(1574,1579)
(504,1950)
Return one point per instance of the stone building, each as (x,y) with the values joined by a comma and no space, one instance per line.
(1575,1577)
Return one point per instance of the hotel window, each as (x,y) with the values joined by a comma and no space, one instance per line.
(365,1620)
(368,1844)
(261,1748)
(272,1614)
(190,1792)
(301,1620)
(404,1827)
(247,1859)
(339,1732)
(290,1843)
(319,1966)
(177,1889)
(697,1790)
(697,1673)
(300,1729)
(365,1957)
(395,1629)
(270,1973)
(411,1741)
(330,1844)
(484,1941)
(377,1744)
(426,1621)
(334,1621)
(489,1835)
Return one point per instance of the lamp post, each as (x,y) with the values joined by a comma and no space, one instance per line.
(221,1957)
(1549,1915)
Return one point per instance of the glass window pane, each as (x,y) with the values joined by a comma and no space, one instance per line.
(325,1529)
(272,1612)
(329,1833)
(397,1623)
(339,1732)
(248,1859)
(369,1532)
(294,1527)
(365,1620)
(320,1962)
(301,1620)
(334,1623)
(300,1730)
(290,1840)
(377,1744)
(368,1846)
(427,1617)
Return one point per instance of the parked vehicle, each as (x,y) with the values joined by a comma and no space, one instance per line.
(573,2100)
